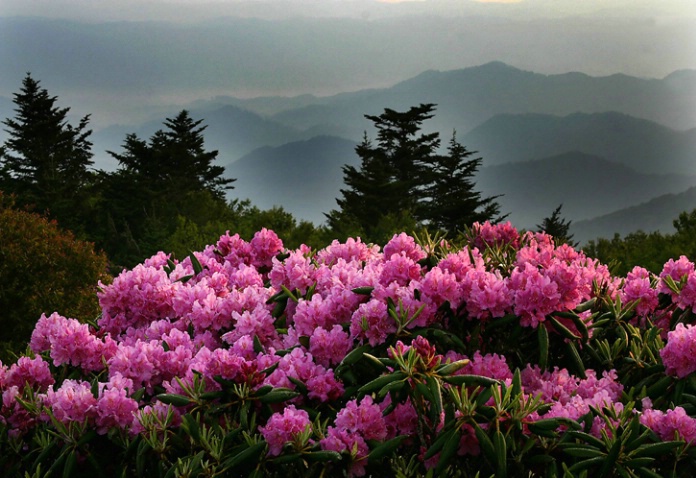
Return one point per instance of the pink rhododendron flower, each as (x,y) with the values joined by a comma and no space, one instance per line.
(494,235)
(679,355)
(403,244)
(351,250)
(264,246)
(372,322)
(114,407)
(364,418)
(329,347)
(32,372)
(295,272)
(135,298)
(341,440)
(284,427)
(673,424)
(72,402)
(399,268)
(637,287)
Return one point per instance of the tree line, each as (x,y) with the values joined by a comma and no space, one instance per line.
(169,194)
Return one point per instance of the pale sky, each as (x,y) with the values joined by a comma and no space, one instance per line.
(202,48)
(101,10)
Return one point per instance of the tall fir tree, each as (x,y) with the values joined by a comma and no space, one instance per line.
(160,182)
(558,227)
(453,203)
(45,160)
(386,189)
(403,182)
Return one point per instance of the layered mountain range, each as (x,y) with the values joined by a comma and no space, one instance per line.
(619,152)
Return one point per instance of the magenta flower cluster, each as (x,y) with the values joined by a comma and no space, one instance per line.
(165,323)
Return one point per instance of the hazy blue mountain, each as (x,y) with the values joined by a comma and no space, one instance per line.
(468,97)
(126,68)
(587,186)
(654,215)
(232,131)
(304,176)
(643,145)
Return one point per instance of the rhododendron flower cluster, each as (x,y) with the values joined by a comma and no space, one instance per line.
(310,350)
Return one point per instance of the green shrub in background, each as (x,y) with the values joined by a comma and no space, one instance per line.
(42,269)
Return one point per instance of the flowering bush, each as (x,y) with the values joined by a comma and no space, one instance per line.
(505,356)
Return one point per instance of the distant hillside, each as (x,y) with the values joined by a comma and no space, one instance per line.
(468,97)
(643,145)
(586,185)
(232,131)
(304,176)
(654,215)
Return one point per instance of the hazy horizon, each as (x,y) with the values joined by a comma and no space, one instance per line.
(124,61)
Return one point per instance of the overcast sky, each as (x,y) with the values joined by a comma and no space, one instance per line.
(106,67)
(192,10)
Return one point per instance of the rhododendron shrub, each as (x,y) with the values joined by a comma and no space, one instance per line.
(505,355)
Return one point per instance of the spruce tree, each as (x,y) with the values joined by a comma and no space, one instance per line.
(558,227)
(45,160)
(387,188)
(161,182)
(404,183)
(453,202)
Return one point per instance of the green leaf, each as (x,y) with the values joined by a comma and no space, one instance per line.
(278,395)
(436,394)
(322,456)
(657,449)
(585,464)
(191,427)
(470,380)
(385,449)
(574,357)
(450,368)
(363,290)
(174,399)
(69,467)
(354,355)
(583,451)
(486,445)
(395,386)
(562,329)
(247,455)
(610,460)
(197,267)
(500,446)
(543,337)
(380,382)
(448,451)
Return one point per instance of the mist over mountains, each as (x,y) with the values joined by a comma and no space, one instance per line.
(545,140)
(599,142)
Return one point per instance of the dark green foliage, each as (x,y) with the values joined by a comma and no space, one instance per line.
(45,160)
(160,183)
(649,250)
(453,202)
(43,269)
(403,183)
(558,227)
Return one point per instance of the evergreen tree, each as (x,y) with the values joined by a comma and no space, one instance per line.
(45,160)
(453,202)
(403,183)
(558,227)
(175,160)
(387,187)
(160,184)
